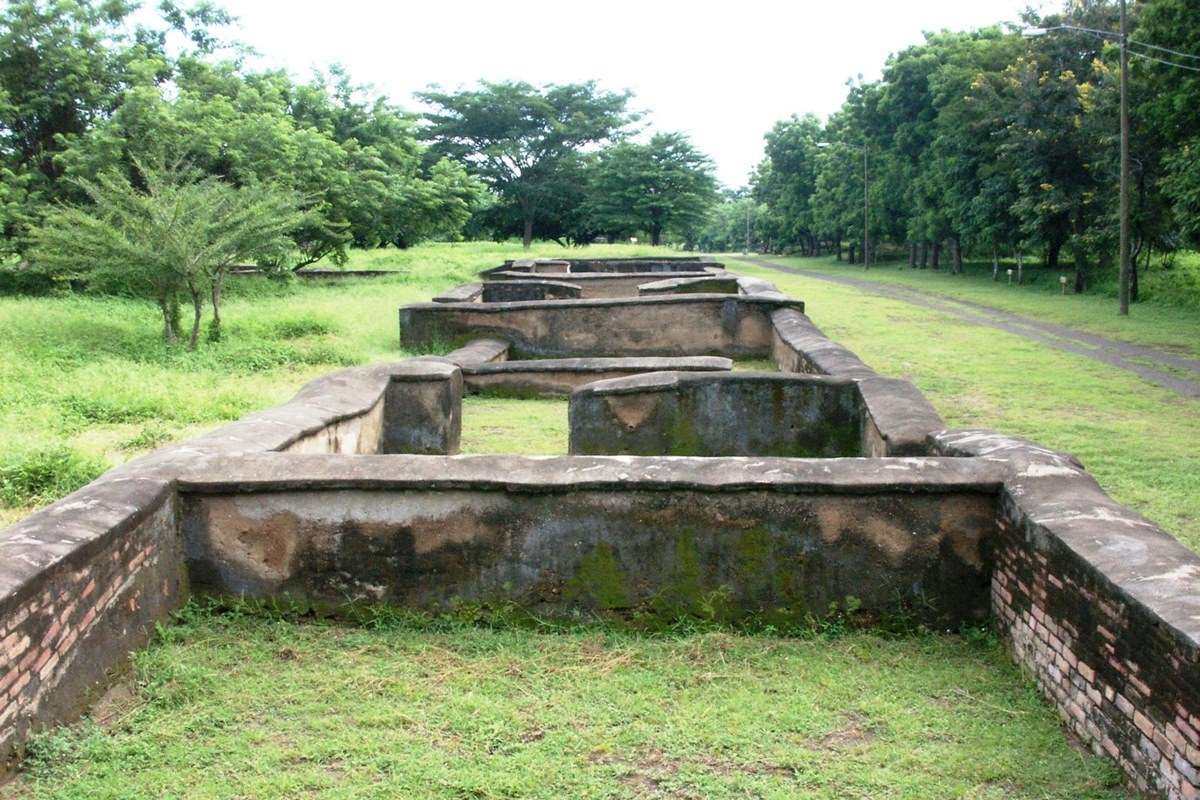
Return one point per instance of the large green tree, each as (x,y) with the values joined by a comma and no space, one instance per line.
(523,140)
(663,185)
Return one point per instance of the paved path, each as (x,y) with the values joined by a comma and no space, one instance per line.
(1162,367)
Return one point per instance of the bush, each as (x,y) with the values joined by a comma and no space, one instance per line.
(43,476)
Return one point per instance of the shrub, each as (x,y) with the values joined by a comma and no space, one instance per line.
(43,476)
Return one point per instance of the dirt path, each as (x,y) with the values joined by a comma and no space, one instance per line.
(1161,367)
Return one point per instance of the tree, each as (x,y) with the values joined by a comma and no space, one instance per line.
(663,185)
(519,138)
(179,235)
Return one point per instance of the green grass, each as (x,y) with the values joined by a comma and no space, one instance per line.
(1142,442)
(87,381)
(230,706)
(514,426)
(1171,325)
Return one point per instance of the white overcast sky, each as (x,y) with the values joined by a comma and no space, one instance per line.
(722,73)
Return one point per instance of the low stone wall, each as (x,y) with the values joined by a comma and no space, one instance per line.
(799,346)
(717,325)
(517,290)
(605,284)
(712,284)
(744,414)
(84,581)
(775,540)
(1100,605)
(739,414)
(637,264)
(558,377)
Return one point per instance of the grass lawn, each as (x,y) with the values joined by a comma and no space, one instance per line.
(229,706)
(1142,442)
(86,383)
(1170,325)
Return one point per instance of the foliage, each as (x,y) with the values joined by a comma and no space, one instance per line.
(662,185)
(41,476)
(523,140)
(992,143)
(180,235)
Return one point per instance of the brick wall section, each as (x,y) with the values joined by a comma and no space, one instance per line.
(1101,606)
(61,633)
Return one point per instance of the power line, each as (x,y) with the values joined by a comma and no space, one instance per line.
(1163,61)
(1165,49)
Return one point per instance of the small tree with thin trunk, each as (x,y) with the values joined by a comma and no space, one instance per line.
(175,238)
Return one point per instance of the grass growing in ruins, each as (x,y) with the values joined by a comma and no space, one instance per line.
(86,383)
(514,426)
(1142,442)
(230,706)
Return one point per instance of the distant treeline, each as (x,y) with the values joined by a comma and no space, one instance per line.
(996,143)
(85,93)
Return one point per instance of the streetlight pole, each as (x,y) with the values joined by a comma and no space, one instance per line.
(1126,269)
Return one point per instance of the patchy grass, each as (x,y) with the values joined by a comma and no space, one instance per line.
(1142,442)
(90,377)
(228,706)
(514,426)
(1170,321)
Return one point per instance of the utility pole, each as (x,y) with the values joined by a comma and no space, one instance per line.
(1126,270)
(866,213)
(747,228)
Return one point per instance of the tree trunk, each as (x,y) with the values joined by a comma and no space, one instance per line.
(912,255)
(956,251)
(214,330)
(924,254)
(935,260)
(995,264)
(1133,276)
(527,238)
(1079,250)
(1055,247)
(1020,267)
(169,334)
(851,248)
(197,312)
(656,236)
(837,246)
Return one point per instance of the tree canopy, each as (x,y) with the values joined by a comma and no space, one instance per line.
(524,141)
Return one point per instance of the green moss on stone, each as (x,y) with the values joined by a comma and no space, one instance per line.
(600,580)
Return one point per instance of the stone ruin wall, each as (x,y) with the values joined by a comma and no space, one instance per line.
(1097,603)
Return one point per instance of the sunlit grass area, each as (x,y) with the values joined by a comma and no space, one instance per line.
(533,426)
(1169,318)
(233,706)
(1142,442)
(86,382)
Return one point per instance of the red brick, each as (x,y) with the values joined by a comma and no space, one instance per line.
(51,632)
(7,680)
(1087,672)
(1143,723)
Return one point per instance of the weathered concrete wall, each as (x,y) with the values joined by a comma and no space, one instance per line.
(691,325)
(558,377)
(516,290)
(799,346)
(776,540)
(752,414)
(607,284)
(406,407)
(576,265)
(737,414)
(1101,606)
(467,293)
(713,284)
